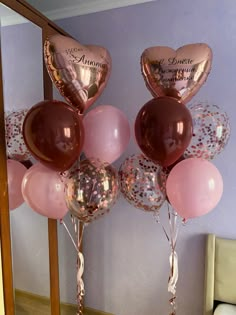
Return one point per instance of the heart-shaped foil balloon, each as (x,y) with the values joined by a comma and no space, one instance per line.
(79,72)
(176,73)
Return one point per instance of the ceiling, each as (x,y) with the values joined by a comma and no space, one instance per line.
(59,9)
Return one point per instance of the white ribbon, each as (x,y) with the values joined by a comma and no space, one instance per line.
(173,278)
(80,282)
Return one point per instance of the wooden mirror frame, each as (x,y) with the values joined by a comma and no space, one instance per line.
(48,28)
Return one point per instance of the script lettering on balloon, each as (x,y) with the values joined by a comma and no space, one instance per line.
(173,69)
(87,62)
(176,73)
(79,72)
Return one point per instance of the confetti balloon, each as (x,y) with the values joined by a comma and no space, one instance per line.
(91,190)
(16,148)
(211,131)
(142,183)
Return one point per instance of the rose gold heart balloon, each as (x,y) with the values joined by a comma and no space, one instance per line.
(177,73)
(79,72)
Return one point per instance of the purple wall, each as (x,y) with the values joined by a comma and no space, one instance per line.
(21,48)
(22,65)
(126,252)
(22,59)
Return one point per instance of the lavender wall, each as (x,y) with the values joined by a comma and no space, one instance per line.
(22,61)
(126,252)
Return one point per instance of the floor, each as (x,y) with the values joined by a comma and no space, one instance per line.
(29,304)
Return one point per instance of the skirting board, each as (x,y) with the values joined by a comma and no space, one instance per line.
(28,303)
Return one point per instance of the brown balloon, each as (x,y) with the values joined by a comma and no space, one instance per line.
(79,72)
(176,73)
(54,134)
(163,130)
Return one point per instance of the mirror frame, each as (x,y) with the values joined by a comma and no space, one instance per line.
(48,28)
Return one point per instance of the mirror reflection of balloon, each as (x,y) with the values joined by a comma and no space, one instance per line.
(15,174)
(15,145)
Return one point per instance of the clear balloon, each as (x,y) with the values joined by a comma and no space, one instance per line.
(194,187)
(142,183)
(79,72)
(16,148)
(91,191)
(43,191)
(163,130)
(15,174)
(107,133)
(176,73)
(211,131)
(54,134)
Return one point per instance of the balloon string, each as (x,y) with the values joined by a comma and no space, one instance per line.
(80,268)
(73,220)
(68,232)
(79,231)
(173,277)
(173,259)
(79,227)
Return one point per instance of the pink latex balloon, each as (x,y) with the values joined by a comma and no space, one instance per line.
(15,174)
(43,191)
(107,133)
(194,187)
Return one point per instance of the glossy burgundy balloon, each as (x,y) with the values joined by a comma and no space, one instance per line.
(54,134)
(163,130)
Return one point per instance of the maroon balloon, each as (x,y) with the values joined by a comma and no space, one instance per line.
(54,134)
(163,130)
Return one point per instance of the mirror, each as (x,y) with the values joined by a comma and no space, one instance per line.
(22,63)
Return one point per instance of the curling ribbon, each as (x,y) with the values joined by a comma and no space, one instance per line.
(173,278)
(80,283)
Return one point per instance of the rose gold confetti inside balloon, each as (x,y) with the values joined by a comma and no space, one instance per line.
(142,183)
(211,131)
(91,190)
(16,148)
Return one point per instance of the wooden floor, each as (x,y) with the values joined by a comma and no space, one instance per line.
(30,304)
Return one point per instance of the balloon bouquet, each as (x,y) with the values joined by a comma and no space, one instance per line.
(55,133)
(177,142)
